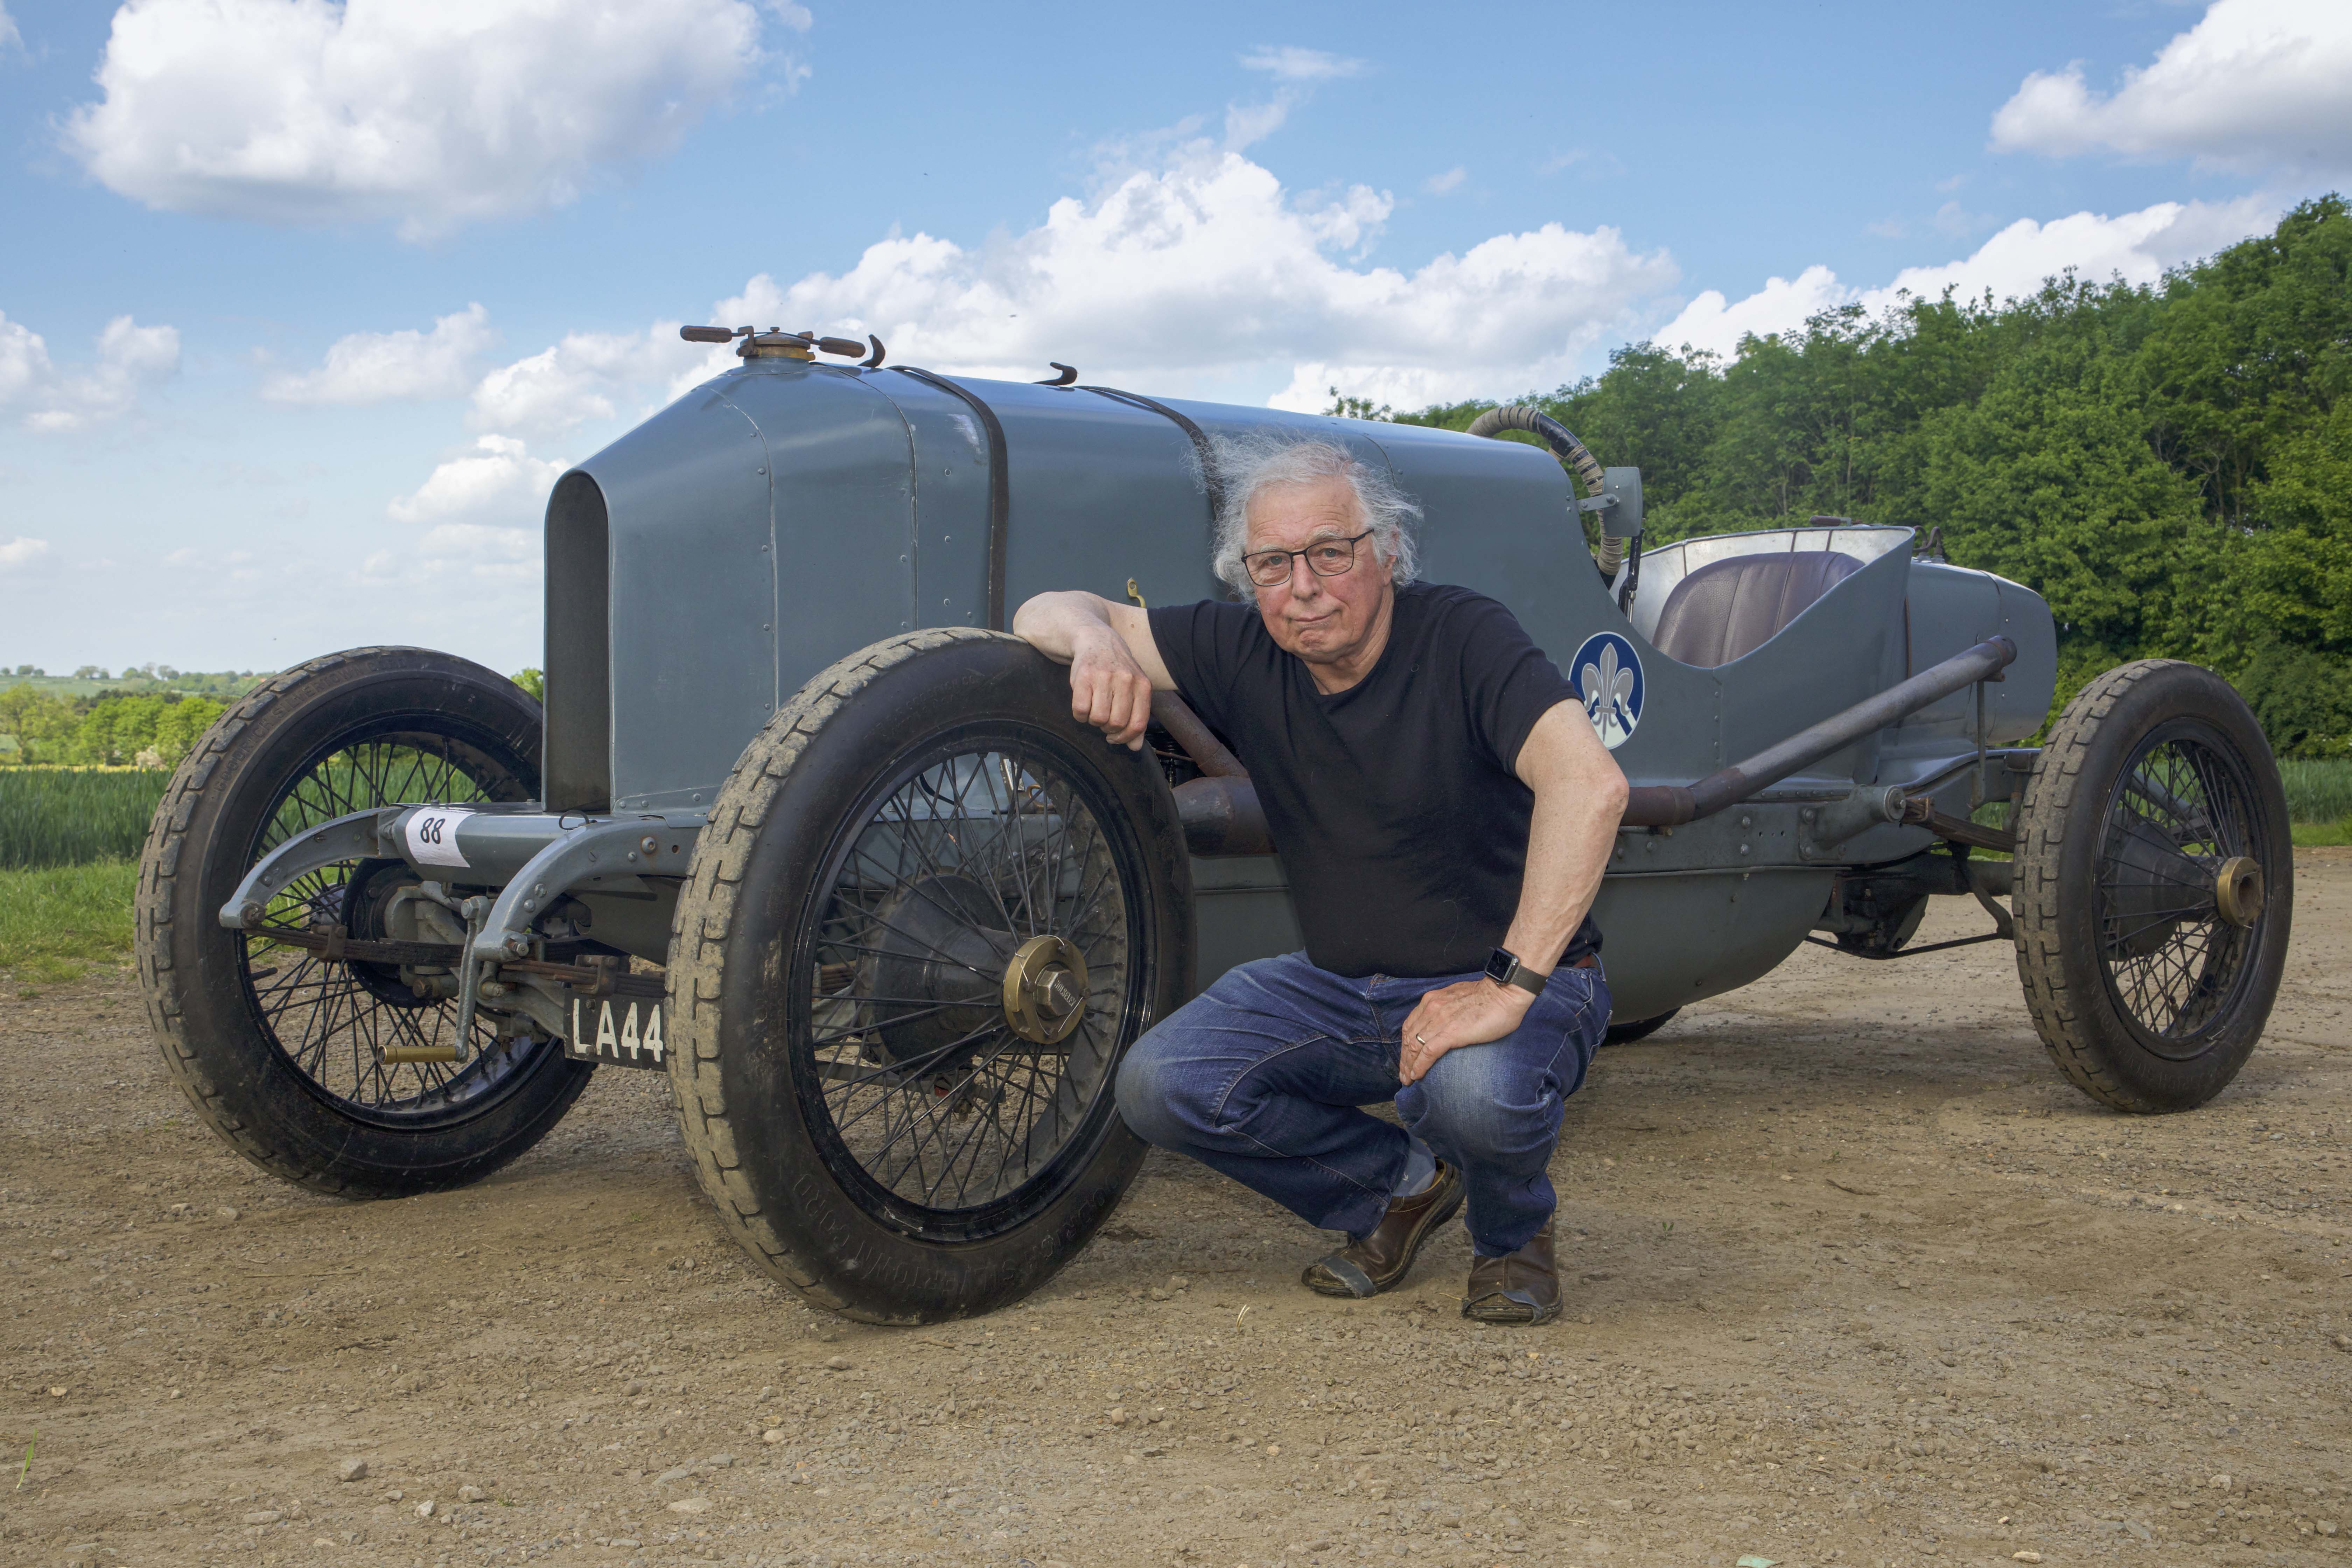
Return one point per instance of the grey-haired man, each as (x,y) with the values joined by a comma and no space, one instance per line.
(1443,811)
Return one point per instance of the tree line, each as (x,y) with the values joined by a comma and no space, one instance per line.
(2169,465)
(113,728)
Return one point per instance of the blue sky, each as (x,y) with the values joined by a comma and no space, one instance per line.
(302,307)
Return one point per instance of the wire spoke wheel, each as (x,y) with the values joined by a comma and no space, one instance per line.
(929,915)
(2155,887)
(320,1070)
(938,1110)
(334,1021)
(2181,810)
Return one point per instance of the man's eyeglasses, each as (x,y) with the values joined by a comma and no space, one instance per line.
(1331,558)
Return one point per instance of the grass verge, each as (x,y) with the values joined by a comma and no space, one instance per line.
(2322,835)
(56,921)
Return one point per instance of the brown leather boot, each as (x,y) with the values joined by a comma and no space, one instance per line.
(1379,1259)
(1520,1288)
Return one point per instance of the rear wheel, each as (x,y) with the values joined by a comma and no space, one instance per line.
(929,914)
(283,1051)
(2155,886)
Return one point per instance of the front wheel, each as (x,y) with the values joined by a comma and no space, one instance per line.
(930,913)
(339,1076)
(2155,887)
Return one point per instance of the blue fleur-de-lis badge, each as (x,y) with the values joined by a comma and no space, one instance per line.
(1608,676)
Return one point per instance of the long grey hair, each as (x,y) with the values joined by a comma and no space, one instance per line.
(1250,465)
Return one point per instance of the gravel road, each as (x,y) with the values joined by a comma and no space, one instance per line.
(1854,1278)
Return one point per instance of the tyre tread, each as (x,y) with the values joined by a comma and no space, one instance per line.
(158,880)
(2063,992)
(705,915)
(160,868)
(2044,813)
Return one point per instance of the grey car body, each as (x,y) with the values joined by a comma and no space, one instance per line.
(705,564)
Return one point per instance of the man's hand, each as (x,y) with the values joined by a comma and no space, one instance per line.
(1114,664)
(1470,1014)
(1108,689)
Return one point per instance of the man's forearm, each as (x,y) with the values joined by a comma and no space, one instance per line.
(1569,843)
(1580,799)
(1055,624)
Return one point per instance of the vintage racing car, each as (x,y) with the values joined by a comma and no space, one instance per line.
(801,826)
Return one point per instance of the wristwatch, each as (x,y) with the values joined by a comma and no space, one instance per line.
(1504,968)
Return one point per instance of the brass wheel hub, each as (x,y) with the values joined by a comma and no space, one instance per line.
(2238,890)
(1046,990)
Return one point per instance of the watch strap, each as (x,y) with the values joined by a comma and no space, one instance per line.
(1505,969)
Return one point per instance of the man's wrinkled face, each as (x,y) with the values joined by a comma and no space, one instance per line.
(1323,620)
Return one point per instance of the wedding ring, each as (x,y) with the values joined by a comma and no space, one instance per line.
(1420,1040)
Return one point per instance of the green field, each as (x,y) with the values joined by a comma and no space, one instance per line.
(57,920)
(71,816)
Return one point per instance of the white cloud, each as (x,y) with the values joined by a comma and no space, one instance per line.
(485,551)
(17,554)
(480,564)
(1206,270)
(558,389)
(130,358)
(9,37)
(1595,165)
(2138,245)
(2255,86)
(382,367)
(1249,123)
(1439,184)
(426,113)
(24,362)
(499,478)
(1713,322)
(1288,62)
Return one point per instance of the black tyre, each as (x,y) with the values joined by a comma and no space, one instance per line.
(1639,1029)
(884,1122)
(2155,887)
(276,1046)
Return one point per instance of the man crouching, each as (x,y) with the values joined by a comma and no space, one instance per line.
(1443,811)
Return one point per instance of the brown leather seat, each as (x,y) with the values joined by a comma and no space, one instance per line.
(1727,609)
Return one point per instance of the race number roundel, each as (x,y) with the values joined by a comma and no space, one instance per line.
(1607,673)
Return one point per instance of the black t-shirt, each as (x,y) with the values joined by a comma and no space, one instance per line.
(1401,825)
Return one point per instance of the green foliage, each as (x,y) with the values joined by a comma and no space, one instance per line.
(533,682)
(2303,697)
(2170,466)
(2317,791)
(55,921)
(112,730)
(69,817)
(1357,408)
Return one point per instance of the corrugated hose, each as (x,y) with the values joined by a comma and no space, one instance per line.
(1572,451)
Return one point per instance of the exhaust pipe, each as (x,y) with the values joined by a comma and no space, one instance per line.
(1221,814)
(1671,805)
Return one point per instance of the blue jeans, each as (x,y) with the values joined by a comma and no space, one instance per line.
(1262,1075)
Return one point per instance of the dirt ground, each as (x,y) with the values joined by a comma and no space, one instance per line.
(1855,1279)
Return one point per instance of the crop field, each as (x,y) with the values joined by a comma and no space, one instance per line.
(71,816)
(2317,792)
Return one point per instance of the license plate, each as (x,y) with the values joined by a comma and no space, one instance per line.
(621,1031)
